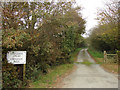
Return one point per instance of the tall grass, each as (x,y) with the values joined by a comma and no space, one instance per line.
(95,53)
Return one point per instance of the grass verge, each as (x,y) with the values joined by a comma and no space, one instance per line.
(49,80)
(75,54)
(86,63)
(98,57)
(96,54)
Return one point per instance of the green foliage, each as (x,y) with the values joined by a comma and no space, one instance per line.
(74,54)
(104,40)
(104,36)
(46,81)
(14,38)
(56,37)
(86,63)
(10,76)
(95,53)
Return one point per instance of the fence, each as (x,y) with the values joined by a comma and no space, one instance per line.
(110,58)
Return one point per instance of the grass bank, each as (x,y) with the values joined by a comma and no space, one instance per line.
(96,54)
(75,54)
(99,58)
(49,80)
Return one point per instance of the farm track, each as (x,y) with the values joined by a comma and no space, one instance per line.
(89,75)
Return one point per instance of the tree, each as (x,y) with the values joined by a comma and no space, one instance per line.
(48,31)
(104,36)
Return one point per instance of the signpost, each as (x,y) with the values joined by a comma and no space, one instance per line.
(17,57)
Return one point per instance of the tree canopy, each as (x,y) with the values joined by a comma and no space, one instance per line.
(105,35)
(48,31)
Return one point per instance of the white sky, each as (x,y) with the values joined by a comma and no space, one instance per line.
(89,12)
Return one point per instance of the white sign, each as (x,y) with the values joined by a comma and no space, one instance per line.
(16,57)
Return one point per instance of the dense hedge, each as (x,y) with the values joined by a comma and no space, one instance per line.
(105,41)
(41,54)
(58,34)
(47,46)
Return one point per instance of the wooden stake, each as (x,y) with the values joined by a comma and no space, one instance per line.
(24,72)
(105,56)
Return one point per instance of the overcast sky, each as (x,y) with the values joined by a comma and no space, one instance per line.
(89,12)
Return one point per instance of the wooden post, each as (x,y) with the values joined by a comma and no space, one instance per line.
(118,54)
(24,67)
(105,56)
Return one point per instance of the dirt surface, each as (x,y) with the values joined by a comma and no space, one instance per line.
(59,79)
(89,75)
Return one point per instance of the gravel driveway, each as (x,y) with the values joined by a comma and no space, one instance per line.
(89,76)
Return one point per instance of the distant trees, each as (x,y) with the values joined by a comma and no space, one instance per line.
(48,31)
(104,36)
